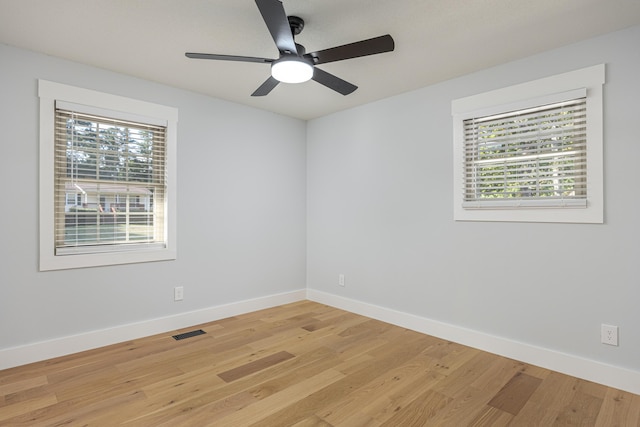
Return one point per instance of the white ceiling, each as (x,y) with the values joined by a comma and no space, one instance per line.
(435,40)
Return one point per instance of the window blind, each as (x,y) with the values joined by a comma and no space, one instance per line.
(110,183)
(535,157)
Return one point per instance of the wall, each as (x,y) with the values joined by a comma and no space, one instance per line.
(380,211)
(241,219)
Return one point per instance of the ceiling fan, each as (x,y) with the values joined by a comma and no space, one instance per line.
(295,65)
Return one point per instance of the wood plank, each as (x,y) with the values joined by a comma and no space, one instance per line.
(545,404)
(497,373)
(312,421)
(515,394)
(287,398)
(619,408)
(463,409)
(491,417)
(467,369)
(22,385)
(404,397)
(207,414)
(256,366)
(372,398)
(31,405)
(582,410)
(402,347)
(425,407)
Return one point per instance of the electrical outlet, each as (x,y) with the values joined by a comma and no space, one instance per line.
(178,293)
(341,279)
(609,334)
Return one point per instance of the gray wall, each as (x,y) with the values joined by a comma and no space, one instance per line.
(380,211)
(241,211)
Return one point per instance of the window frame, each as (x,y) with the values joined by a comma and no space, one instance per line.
(136,110)
(530,94)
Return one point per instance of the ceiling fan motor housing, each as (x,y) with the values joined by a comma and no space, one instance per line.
(296,24)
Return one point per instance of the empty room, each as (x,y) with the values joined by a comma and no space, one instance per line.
(319,213)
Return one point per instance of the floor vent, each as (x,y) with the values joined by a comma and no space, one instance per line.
(188,334)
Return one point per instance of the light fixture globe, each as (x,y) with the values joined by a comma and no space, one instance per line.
(292,69)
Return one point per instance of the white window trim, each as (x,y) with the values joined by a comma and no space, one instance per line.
(49,92)
(590,78)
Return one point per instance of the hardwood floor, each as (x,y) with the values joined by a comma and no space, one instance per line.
(302,364)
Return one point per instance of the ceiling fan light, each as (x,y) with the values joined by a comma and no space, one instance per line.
(291,70)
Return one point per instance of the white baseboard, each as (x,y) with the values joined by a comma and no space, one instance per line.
(22,355)
(609,375)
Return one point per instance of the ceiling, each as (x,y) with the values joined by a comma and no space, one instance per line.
(435,40)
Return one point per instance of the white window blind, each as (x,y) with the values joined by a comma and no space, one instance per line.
(533,157)
(110,183)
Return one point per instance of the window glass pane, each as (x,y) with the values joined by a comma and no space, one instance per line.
(530,154)
(112,172)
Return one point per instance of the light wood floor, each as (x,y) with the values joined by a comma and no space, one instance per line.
(302,364)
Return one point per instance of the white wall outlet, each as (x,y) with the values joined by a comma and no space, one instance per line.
(609,334)
(178,293)
(341,279)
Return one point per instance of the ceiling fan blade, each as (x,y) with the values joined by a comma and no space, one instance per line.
(228,57)
(266,87)
(276,19)
(333,82)
(372,46)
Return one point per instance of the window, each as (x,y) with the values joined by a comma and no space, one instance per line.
(107,179)
(531,152)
